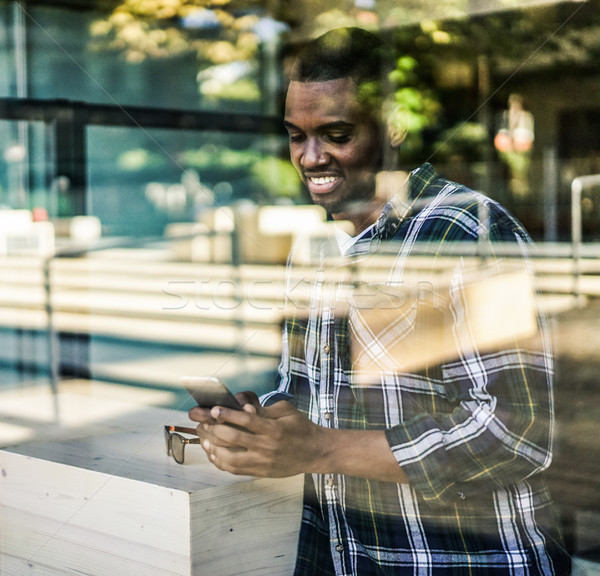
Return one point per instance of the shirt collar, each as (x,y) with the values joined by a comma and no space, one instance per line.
(345,241)
(399,206)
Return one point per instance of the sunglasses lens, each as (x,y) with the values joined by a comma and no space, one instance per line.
(177,448)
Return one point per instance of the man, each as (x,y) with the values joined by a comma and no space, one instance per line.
(424,467)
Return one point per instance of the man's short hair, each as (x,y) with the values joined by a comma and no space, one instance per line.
(345,53)
(362,56)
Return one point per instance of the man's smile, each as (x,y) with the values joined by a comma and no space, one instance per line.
(321,183)
(322,179)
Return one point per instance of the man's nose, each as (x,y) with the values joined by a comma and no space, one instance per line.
(313,154)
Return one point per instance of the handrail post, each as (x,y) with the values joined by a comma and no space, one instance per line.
(577,187)
(236,262)
(53,349)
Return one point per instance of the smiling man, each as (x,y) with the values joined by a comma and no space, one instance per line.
(333,117)
(409,469)
(335,146)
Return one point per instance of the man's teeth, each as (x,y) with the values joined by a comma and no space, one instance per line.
(323,180)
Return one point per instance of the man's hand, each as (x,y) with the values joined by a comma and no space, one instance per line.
(277,441)
(203,415)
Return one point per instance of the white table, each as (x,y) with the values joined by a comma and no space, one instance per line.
(113,503)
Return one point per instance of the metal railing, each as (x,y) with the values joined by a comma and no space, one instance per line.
(577,187)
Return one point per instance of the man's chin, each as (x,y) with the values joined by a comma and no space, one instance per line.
(331,205)
(347,209)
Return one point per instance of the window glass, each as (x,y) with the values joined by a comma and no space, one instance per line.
(193,61)
(23,164)
(500,95)
(139,180)
(13,50)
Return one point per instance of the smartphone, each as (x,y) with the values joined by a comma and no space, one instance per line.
(209,391)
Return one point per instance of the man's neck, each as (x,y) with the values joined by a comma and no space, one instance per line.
(361,214)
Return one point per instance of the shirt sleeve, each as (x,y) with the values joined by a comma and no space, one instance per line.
(281,390)
(496,425)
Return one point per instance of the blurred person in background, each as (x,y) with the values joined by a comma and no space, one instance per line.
(429,467)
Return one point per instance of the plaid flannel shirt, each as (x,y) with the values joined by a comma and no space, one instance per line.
(472,430)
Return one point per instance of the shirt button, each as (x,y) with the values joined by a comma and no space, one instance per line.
(339,547)
(326,349)
(327,415)
(330,481)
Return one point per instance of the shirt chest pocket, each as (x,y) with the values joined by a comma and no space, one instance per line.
(395,331)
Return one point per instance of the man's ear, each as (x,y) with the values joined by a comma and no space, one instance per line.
(396,123)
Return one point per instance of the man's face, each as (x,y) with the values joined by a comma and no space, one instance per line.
(334,145)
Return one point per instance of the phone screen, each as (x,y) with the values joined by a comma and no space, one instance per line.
(209,391)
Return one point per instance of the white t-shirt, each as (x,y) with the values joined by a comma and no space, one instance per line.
(345,241)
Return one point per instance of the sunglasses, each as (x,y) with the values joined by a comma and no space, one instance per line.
(176,443)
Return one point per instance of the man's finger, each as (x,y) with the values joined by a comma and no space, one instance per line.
(241,418)
(248,397)
(279,409)
(201,415)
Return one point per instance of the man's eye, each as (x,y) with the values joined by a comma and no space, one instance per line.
(339,138)
(296,137)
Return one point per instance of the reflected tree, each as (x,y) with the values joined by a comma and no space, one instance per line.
(161,28)
(225,36)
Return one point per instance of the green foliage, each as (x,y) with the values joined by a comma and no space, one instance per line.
(415,107)
(139,159)
(277,177)
(217,32)
(467,140)
(243,90)
(269,175)
(210,157)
